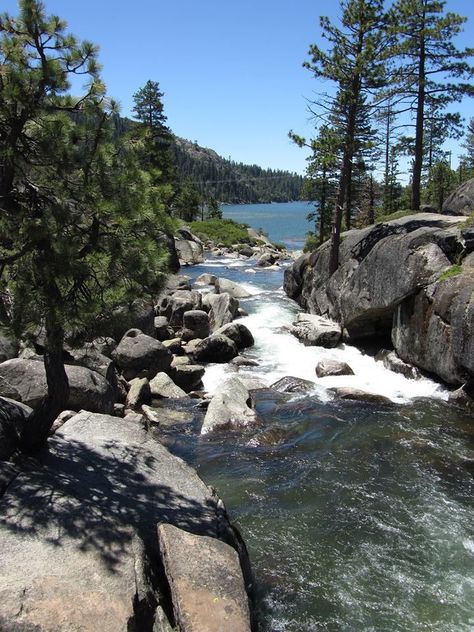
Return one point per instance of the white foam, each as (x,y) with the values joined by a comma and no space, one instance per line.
(280,354)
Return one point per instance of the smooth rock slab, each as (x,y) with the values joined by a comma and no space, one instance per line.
(75,531)
(206,583)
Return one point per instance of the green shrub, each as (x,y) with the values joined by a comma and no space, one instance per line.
(312,242)
(224,231)
(453,271)
(396,215)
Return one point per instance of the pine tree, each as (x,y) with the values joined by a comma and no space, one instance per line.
(432,70)
(78,217)
(355,63)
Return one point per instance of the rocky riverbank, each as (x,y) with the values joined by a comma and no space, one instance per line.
(411,281)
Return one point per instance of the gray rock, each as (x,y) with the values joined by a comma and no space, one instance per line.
(138,393)
(234,289)
(187,376)
(206,279)
(92,359)
(79,532)
(316,331)
(215,348)
(13,418)
(266,260)
(140,355)
(177,282)
(163,386)
(163,331)
(9,347)
(245,251)
(359,396)
(461,201)
(180,302)
(434,330)
(206,583)
(239,333)
(463,397)
(104,345)
(173,345)
(229,408)
(139,315)
(196,321)
(190,252)
(223,309)
(290,384)
(242,361)
(392,362)
(331,367)
(26,379)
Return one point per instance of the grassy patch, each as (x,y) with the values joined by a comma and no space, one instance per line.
(453,271)
(469,221)
(221,231)
(396,215)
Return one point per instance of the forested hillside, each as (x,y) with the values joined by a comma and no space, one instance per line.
(229,181)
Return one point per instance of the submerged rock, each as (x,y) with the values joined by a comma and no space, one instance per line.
(359,395)
(290,384)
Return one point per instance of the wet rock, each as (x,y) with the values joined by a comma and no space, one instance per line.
(243,361)
(359,395)
(215,348)
(392,362)
(316,331)
(463,397)
(25,380)
(239,333)
(290,384)
(139,355)
(234,289)
(330,367)
(229,407)
(206,583)
(163,386)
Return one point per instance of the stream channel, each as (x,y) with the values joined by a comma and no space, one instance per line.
(357,517)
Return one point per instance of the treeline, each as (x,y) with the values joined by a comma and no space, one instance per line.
(394,74)
(231,182)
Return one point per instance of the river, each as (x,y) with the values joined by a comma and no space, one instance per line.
(357,517)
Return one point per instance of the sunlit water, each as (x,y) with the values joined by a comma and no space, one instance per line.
(358,517)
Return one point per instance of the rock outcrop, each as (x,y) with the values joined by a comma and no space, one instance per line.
(461,201)
(78,531)
(399,278)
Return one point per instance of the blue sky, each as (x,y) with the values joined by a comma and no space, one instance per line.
(231,71)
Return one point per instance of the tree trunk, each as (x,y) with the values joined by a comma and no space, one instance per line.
(40,421)
(420,111)
(322,209)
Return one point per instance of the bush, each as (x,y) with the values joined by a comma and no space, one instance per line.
(453,271)
(312,242)
(224,231)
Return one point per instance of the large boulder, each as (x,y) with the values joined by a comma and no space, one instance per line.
(9,347)
(239,333)
(316,331)
(13,416)
(180,302)
(215,348)
(78,531)
(222,309)
(25,381)
(138,315)
(461,201)
(403,278)
(139,355)
(435,328)
(163,386)
(196,324)
(190,248)
(229,407)
(234,289)
(187,376)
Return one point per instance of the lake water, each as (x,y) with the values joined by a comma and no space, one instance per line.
(357,517)
(284,222)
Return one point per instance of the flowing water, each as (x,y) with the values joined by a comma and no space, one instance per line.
(357,517)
